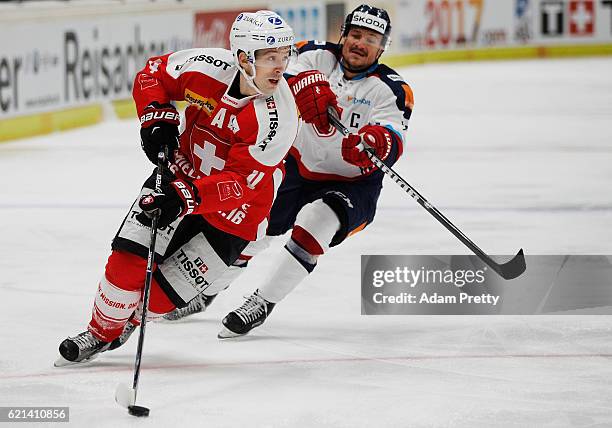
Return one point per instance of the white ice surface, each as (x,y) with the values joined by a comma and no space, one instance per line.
(516,154)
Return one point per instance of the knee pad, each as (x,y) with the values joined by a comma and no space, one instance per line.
(126,270)
(315,226)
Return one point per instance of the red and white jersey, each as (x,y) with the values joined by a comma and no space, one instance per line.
(231,148)
(379,96)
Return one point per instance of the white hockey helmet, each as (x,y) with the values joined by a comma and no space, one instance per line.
(263,29)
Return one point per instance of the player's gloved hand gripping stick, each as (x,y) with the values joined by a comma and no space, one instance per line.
(508,270)
(124,395)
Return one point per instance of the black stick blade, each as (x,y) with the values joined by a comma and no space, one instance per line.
(139,411)
(514,267)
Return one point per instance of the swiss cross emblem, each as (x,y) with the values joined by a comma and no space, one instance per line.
(581,17)
(208,159)
(148,200)
(154,65)
(210,151)
(201,265)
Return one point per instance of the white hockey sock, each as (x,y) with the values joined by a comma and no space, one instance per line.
(112,308)
(287,275)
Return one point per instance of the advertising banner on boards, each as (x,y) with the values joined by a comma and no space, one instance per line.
(466,24)
(68,63)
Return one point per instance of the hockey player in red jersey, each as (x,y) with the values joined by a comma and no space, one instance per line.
(223,172)
(331,188)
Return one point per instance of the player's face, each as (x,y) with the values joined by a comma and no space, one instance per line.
(270,64)
(361,47)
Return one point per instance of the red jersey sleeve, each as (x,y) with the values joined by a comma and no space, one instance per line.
(153,83)
(165,78)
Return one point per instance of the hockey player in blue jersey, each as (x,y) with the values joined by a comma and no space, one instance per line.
(331,188)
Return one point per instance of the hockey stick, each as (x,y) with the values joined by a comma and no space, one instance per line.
(124,395)
(508,270)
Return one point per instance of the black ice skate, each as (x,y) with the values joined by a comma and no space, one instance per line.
(196,305)
(80,348)
(251,314)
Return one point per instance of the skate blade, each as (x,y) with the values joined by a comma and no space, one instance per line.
(62,362)
(163,320)
(177,319)
(226,333)
(125,396)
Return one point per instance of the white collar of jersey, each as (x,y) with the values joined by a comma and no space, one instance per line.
(237,102)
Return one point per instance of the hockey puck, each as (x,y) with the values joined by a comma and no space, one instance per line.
(138,411)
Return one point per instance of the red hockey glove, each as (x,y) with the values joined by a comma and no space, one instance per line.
(159,128)
(377,137)
(177,198)
(313,96)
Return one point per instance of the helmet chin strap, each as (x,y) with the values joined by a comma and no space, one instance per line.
(250,80)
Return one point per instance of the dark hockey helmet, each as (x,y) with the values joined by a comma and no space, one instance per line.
(372,18)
